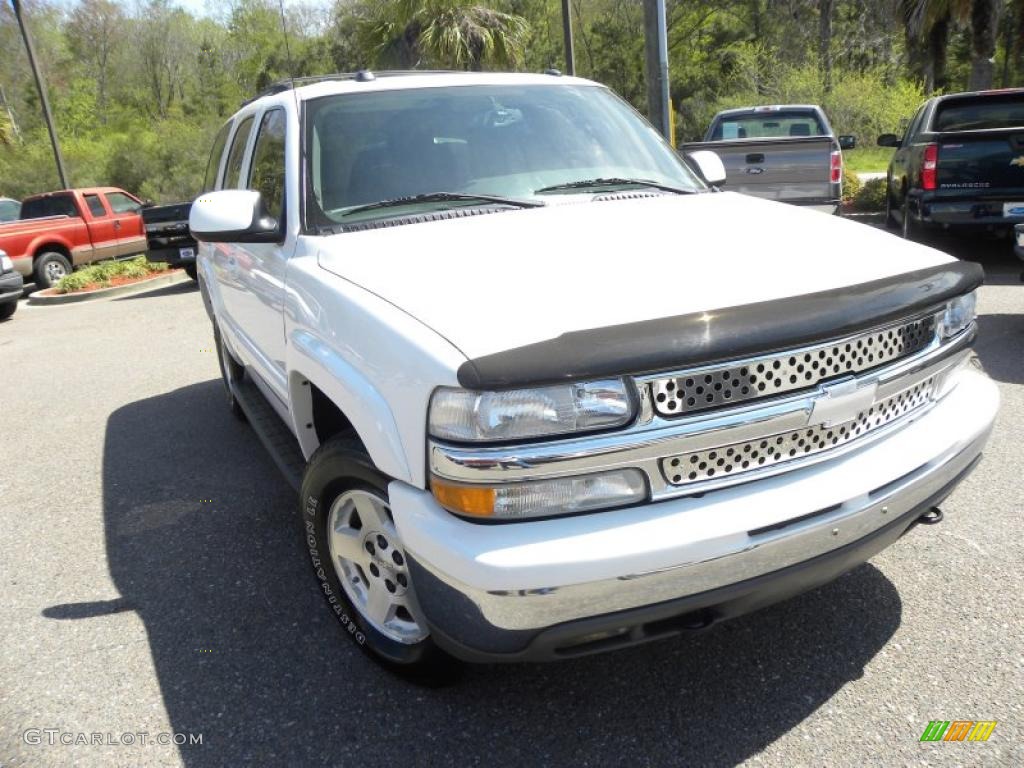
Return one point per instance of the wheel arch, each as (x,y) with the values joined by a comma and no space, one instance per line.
(329,396)
(51,246)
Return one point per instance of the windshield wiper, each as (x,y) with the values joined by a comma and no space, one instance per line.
(444,197)
(613,182)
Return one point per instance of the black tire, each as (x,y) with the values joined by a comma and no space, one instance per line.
(191,271)
(341,466)
(890,220)
(231,371)
(910,230)
(6,310)
(50,267)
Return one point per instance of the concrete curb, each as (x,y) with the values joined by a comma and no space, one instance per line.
(176,276)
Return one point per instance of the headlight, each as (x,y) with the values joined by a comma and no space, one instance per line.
(561,409)
(6,265)
(543,498)
(959,313)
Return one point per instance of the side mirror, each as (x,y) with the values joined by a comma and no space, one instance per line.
(888,140)
(709,165)
(232,216)
(847,142)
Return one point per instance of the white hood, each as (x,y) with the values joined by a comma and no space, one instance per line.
(497,281)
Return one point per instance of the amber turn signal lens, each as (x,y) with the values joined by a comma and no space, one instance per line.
(464,499)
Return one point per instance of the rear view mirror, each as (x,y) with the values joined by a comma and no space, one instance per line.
(888,140)
(232,216)
(847,142)
(709,166)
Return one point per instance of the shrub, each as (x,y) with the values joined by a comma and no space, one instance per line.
(100,275)
(871,196)
(851,184)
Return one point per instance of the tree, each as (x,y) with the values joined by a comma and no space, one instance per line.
(984,28)
(94,31)
(457,34)
(930,21)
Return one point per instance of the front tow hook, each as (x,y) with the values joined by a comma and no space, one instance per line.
(932,517)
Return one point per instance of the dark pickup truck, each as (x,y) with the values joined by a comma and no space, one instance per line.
(168,237)
(959,165)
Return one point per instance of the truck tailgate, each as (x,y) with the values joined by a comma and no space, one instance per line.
(789,169)
(987,163)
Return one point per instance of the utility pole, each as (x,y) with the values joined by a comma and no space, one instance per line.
(659,107)
(61,172)
(570,55)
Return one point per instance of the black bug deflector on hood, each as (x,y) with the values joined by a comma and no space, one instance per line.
(723,334)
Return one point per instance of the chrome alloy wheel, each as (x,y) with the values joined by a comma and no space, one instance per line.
(372,567)
(55,271)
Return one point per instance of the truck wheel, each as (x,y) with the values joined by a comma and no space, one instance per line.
(910,230)
(890,220)
(6,310)
(49,268)
(360,562)
(190,270)
(231,372)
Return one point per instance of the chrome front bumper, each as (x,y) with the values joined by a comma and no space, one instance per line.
(757,553)
(496,589)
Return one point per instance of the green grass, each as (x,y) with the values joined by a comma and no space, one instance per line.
(100,275)
(868,159)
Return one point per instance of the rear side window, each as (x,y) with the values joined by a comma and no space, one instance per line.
(213,165)
(51,205)
(233,172)
(766,125)
(266,172)
(95,206)
(980,114)
(121,203)
(9,210)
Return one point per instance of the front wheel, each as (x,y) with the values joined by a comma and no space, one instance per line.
(361,563)
(6,310)
(190,270)
(231,373)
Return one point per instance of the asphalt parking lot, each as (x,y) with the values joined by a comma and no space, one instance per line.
(155,580)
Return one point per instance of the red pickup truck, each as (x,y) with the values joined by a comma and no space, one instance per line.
(59,231)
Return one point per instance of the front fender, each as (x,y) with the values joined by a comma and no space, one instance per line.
(313,360)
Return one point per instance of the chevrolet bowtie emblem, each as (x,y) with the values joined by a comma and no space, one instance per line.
(842,402)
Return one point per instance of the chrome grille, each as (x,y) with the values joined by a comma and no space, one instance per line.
(731,459)
(716,386)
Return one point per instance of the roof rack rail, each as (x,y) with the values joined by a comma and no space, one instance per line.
(362,75)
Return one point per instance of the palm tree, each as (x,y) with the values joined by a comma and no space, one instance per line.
(928,23)
(457,34)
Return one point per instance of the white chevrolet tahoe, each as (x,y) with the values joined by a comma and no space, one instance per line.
(543,388)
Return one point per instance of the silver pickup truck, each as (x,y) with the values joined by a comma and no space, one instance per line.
(783,152)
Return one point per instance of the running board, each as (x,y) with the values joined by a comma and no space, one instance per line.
(272,431)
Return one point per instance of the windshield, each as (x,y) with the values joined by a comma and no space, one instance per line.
(496,140)
(768,125)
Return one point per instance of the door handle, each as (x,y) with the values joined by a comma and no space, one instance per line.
(755,158)
(117,224)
